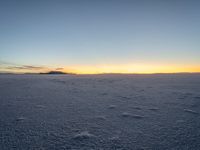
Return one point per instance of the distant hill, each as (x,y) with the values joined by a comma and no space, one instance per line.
(55,72)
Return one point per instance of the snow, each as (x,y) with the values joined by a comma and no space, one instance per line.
(190,111)
(112,107)
(100,112)
(154,109)
(83,135)
(21,119)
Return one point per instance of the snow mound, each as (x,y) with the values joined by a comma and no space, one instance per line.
(100,117)
(112,107)
(136,107)
(137,116)
(84,135)
(190,111)
(126,115)
(114,138)
(20,119)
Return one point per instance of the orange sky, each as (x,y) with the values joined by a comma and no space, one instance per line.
(131,68)
(143,68)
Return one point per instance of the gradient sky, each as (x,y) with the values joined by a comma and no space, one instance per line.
(100,36)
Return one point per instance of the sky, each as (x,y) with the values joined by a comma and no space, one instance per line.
(100,36)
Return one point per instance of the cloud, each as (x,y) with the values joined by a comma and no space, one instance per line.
(59,68)
(25,67)
(12,67)
(18,68)
(6,63)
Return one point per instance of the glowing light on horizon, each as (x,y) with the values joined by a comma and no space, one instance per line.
(130,68)
(141,68)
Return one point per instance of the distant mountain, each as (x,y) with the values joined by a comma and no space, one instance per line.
(55,72)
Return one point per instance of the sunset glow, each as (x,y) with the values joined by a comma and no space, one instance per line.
(92,37)
(108,68)
(130,68)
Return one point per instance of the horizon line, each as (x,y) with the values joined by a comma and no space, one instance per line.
(68,73)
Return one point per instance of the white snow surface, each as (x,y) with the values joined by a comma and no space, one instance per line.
(100,112)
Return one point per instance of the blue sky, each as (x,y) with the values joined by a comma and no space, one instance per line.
(65,33)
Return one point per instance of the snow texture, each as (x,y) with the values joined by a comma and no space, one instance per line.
(100,112)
